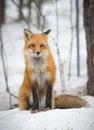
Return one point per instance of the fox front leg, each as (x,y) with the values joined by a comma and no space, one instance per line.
(35,107)
(49,97)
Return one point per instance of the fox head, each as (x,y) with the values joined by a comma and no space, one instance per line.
(36,45)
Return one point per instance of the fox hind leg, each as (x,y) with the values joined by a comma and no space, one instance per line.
(23,102)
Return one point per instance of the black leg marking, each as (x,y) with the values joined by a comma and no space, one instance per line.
(35,98)
(49,96)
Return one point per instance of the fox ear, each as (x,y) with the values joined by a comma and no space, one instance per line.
(47,32)
(27,34)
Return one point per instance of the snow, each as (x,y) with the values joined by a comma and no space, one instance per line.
(57,119)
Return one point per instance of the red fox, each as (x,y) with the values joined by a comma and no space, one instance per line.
(39,77)
(40,73)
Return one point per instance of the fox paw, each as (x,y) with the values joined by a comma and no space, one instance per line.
(47,108)
(34,111)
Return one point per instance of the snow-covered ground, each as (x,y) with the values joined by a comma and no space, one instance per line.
(69,119)
(65,119)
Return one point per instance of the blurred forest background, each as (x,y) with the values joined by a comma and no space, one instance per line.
(73,52)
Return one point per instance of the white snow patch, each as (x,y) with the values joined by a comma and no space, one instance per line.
(65,119)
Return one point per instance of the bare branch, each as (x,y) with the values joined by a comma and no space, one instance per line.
(4,68)
(27,22)
(14,95)
(15,105)
(58,52)
(39,15)
(3,62)
(71,44)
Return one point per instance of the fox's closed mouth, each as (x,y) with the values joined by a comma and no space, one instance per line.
(37,58)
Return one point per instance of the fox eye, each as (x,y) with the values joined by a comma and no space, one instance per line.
(42,46)
(31,45)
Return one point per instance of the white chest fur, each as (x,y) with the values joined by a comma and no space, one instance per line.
(40,77)
(40,74)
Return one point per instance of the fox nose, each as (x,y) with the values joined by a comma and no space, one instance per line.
(38,52)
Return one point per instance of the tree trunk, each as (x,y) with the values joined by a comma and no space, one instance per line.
(2,7)
(89,29)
